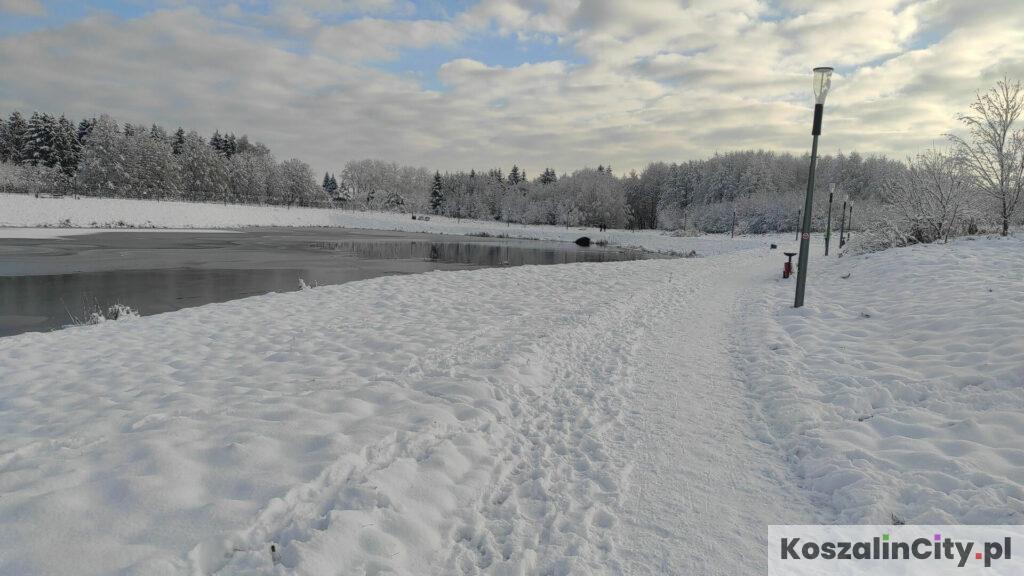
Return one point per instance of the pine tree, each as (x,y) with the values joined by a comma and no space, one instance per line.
(333,185)
(327,182)
(436,193)
(17,134)
(39,143)
(243,144)
(66,147)
(158,133)
(178,142)
(84,128)
(217,142)
(513,175)
(5,147)
(230,145)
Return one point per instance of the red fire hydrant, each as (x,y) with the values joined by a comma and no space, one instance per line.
(787,268)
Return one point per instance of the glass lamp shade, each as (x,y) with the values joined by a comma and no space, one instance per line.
(822,82)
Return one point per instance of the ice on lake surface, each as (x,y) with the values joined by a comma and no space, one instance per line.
(47,283)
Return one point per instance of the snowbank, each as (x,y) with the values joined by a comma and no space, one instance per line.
(46,233)
(898,391)
(27,211)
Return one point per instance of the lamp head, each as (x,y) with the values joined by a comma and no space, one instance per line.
(822,82)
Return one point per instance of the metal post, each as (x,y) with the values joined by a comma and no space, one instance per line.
(842,227)
(828,223)
(849,230)
(798,213)
(805,229)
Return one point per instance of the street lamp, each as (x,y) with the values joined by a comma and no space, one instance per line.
(822,82)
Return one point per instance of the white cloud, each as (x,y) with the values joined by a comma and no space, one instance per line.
(653,80)
(23,7)
(379,39)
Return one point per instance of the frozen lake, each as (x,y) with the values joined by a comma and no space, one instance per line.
(45,283)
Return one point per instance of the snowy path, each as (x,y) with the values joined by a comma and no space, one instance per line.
(704,487)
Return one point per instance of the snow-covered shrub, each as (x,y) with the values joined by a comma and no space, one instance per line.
(927,201)
(714,218)
(97,314)
(33,179)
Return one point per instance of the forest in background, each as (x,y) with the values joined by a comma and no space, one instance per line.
(100,157)
(975,183)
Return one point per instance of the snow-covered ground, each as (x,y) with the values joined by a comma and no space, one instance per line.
(46,233)
(640,417)
(898,391)
(21,210)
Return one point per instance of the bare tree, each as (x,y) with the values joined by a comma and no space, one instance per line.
(929,197)
(993,152)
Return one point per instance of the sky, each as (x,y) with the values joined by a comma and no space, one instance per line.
(458,84)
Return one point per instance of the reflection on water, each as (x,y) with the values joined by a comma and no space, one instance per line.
(160,273)
(480,254)
(55,300)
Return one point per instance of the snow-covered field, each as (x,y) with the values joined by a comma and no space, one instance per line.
(637,417)
(898,391)
(20,210)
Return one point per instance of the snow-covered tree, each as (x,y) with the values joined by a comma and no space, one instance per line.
(598,196)
(66,148)
(38,147)
(298,184)
(436,193)
(993,149)
(204,173)
(102,170)
(178,141)
(217,142)
(84,128)
(929,198)
(5,142)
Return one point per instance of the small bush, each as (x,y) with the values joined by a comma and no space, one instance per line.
(96,314)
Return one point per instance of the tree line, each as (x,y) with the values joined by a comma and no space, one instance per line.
(100,157)
(755,191)
(974,183)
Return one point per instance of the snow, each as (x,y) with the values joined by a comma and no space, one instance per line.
(641,417)
(898,391)
(48,233)
(702,483)
(445,420)
(21,210)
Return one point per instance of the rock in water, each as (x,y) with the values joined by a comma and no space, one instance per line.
(583,241)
